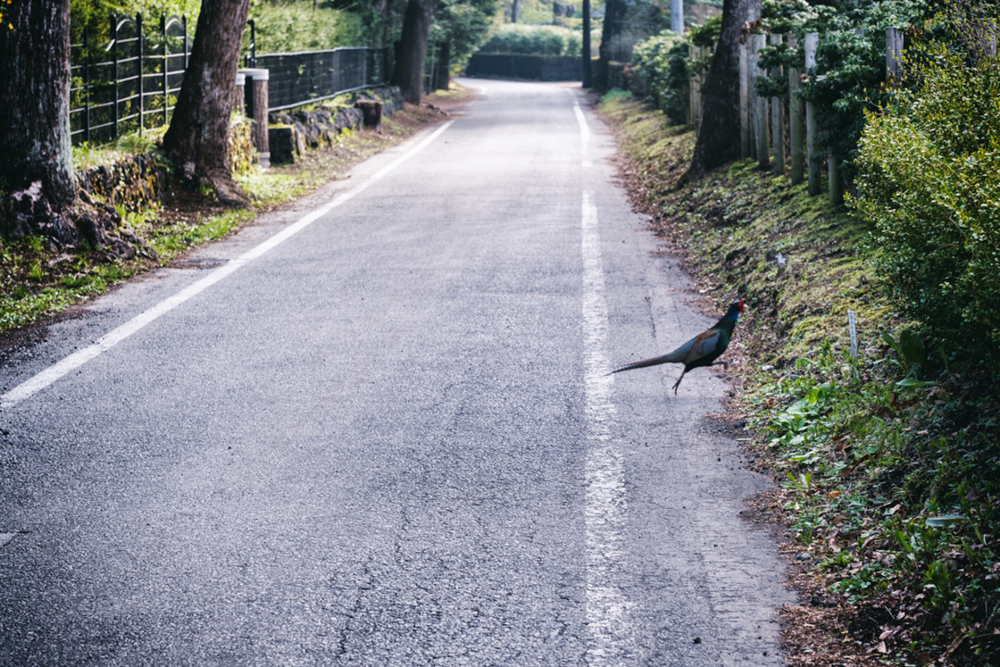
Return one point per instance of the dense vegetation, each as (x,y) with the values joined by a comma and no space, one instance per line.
(890,456)
(302,25)
(543,40)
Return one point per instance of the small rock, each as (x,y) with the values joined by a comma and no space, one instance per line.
(697,640)
(803,556)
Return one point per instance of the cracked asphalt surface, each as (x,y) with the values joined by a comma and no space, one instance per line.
(390,440)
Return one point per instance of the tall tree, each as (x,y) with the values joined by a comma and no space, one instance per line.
(409,71)
(198,138)
(719,134)
(611,30)
(38,190)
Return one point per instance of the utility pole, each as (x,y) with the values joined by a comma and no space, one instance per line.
(586,44)
(677,16)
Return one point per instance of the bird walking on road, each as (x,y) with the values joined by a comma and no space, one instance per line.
(702,350)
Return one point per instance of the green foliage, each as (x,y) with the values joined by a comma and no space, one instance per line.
(707,34)
(850,61)
(544,40)
(242,152)
(929,185)
(661,71)
(464,24)
(910,349)
(878,463)
(95,13)
(293,25)
(86,155)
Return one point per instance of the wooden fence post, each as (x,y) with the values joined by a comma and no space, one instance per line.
(777,123)
(751,96)
(835,179)
(745,133)
(893,55)
(114,65)
(138,68)
(86,83)
(812,157)
(239,98)
(795,112)
(760,103)
(257,103)
(694,100)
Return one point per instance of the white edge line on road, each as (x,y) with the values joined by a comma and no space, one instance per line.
(51,374)
(584,128)
(608,608)
(606,506)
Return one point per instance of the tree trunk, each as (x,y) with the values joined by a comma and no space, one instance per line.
(38,193)
(515,10)
(34,119)
(198,138)
(409,71)
(614,15)
(719,135)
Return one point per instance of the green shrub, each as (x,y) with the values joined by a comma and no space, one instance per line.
(929,183)
(293,25)
(660,71)
(542,40)
(464,24)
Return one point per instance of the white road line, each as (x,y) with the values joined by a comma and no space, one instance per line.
(53,373)
(584,133)
(606,513)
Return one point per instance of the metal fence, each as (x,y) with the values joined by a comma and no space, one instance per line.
(131,83)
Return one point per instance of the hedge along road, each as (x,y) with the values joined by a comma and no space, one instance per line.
(376,428)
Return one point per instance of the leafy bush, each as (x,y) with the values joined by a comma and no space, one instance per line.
(464,24)
(95,13)
(929,183)
(543,40)
(660,71)
(850,61)
(293,25)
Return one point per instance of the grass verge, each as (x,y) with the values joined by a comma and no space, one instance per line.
(885,451)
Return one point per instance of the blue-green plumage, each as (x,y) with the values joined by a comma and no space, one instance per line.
(702,350)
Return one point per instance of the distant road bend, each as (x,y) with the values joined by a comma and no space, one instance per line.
(377,427)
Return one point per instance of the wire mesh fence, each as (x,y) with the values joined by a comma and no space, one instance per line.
(130,82)
(307,77)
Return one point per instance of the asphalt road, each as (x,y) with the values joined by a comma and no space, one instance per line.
(376,428)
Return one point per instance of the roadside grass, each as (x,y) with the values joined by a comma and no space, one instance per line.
(39,279)
(887,462)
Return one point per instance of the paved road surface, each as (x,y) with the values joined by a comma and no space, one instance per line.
(375,428)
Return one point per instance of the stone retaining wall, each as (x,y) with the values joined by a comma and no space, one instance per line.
(291,134)
(137,183)
(140,182)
